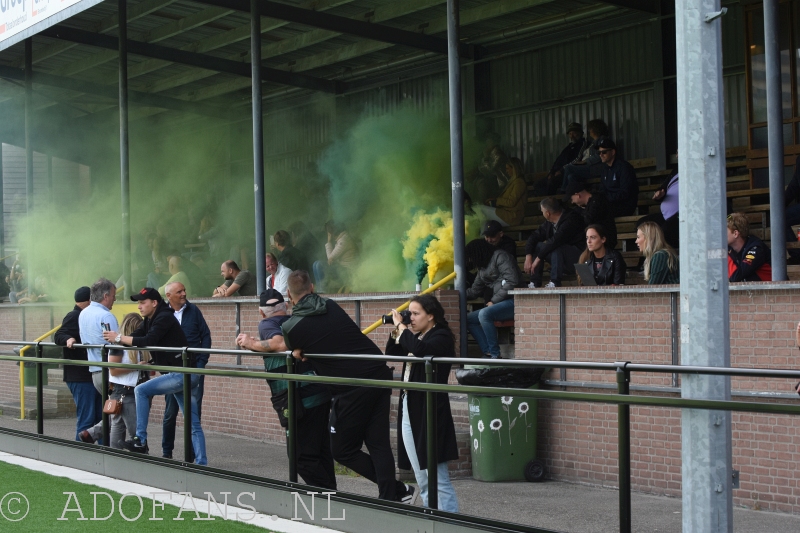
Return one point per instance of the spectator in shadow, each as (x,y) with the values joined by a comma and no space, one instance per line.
(342,254)
(792,194)
(618,180)
(587,164)
(509,208)
(550,184)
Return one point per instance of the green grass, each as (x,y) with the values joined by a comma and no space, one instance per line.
(48,501)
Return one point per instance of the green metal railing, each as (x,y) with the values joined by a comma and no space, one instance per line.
(622,399)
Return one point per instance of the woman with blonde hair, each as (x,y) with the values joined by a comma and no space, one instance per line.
(660,259)
(123,381)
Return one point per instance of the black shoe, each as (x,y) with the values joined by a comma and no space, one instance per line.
(85,436)
(166,456)
(410,497)
(135,445)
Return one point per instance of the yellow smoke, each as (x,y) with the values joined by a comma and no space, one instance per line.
(439,252)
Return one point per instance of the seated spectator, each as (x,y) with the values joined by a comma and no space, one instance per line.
(493,233)
(587,164)
(498,270)
(177,275)
(549,184)
(792,194)
(607,264)
(36,292)
(618,180)
(509,208)
(17,282)
(594,209)
(342,253)
(660,260)
(237,282)
(748,257)
(490,177)
(667,215)
(278,274)
(160,257)
(303,240)
(559,241)
(289,256)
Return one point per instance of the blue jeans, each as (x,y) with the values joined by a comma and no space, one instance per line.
(88,404)
(481,325)
(446,493)
(171,383)
(171,414)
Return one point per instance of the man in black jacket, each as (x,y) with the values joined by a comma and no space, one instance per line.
(359,415)
(594,209)
(493,233)
(618,180)
(570,153)
(559,241)
(88,402)
(160,328)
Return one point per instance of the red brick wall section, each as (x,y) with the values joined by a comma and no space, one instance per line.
(579,441)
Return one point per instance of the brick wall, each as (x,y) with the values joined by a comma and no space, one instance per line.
(578,441)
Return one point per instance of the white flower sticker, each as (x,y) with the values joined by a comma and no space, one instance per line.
(475,443)
(470,430)
(481,427)
(523,408)
(506,400)
(495,425)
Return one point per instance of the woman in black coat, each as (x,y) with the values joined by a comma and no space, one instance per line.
(428,334)
(607,264)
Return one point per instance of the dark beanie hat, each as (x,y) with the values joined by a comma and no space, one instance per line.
(82,294)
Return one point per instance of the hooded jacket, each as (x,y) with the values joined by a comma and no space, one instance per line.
(501,274)
(320,326)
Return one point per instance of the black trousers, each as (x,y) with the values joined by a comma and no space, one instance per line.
(361,417)
(314,458)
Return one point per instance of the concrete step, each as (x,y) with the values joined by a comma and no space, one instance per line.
(57,400)
(12,409)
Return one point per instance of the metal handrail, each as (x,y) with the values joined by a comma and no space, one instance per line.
(622,399)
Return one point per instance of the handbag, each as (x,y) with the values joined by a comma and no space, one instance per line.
(113,407)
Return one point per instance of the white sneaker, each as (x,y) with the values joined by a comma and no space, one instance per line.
(550,285)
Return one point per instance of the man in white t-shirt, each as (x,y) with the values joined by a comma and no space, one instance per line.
(278,277)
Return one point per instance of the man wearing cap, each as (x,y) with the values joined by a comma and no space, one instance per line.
(314,458)
(618,180)
(493,233)
(198,335)
(92,322)
(594,208)
(88,402)
(160,328)
(570,152)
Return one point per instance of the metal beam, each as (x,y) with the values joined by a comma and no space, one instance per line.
(292,44)
(110,92)
(327,58)
(705,327)
(772,56)
(196,60)
(258,149)
(648,6)
(125,187)
(327,21)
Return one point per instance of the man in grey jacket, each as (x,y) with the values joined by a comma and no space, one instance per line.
(498,270)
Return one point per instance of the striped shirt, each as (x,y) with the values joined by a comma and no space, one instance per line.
(660,274)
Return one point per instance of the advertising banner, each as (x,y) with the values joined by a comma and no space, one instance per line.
(20,19)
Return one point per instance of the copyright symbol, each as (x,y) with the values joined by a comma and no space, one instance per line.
(14,506)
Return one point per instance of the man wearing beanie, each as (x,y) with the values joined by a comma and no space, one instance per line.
(160,328)
(88,402)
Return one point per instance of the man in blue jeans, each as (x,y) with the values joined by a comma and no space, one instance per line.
(497,271)
(198,335)
(160,328)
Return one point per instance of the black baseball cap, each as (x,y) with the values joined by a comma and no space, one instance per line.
(574,187)
(148,293)
(82,295)
(606,143)
(270,294)
(491,228)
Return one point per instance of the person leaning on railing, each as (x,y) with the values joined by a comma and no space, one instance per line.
(428,334)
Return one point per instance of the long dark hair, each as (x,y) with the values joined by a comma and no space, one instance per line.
(601,232)
(431,305)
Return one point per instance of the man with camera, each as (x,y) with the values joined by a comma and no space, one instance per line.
(359,415)
(314,459)
(160,328)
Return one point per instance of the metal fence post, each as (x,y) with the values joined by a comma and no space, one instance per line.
(430,401)
(104,395)
(39,391)
(624,450)
(562,332)
(188,449)
(291,430)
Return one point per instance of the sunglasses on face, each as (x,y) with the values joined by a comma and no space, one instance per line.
(602,152)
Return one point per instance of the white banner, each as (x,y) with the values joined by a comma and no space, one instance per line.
(20,19)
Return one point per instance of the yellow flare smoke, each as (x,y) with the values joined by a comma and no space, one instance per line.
(439,253)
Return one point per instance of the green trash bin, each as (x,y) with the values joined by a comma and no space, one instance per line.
(503,431)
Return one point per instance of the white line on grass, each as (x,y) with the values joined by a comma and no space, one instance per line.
(273,523)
